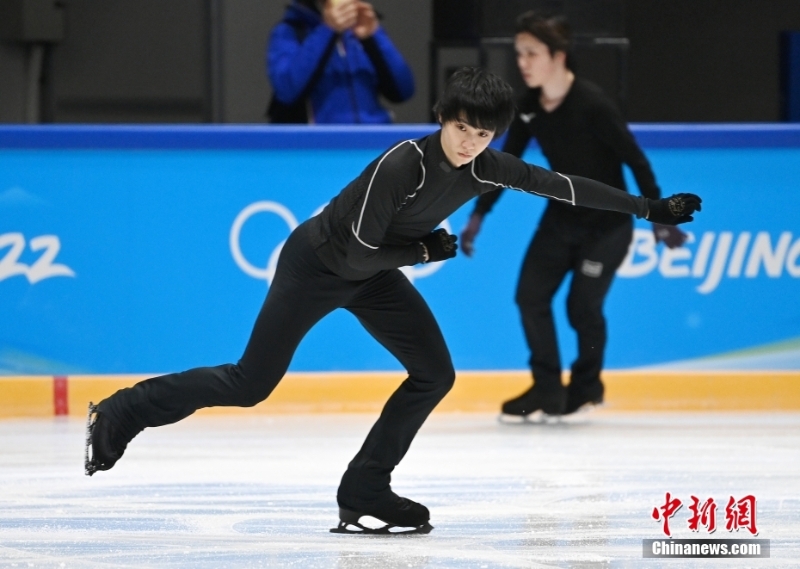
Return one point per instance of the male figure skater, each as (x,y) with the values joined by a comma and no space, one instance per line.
(580,131)
(348,257)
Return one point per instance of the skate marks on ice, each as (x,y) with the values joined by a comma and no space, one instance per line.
(222,492)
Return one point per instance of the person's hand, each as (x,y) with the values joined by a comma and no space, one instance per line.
(470,232)
(669,234)
(340,15)
(674,209)
(439,245)
(367,22)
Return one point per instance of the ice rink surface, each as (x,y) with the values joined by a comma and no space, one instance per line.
(258,491)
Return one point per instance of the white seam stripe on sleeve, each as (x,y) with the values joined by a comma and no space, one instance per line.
(571,189)
(421,165)
(499,185)
(472,169)
(352,226)
(366,196)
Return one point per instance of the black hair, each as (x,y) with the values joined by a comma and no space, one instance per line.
(553,31)
(479,98)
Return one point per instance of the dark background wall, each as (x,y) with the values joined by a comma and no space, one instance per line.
(119,61)
(203,60)
(706,60)
(146,59)
(12,82)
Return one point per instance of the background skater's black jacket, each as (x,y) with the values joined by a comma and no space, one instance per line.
(585,135)
(375,223)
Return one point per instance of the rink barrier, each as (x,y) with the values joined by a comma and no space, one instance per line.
(89,304)
(476,391)
(296,137)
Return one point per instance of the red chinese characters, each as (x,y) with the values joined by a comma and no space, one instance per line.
(670,507)
(738,514)
(741,514)
(705,515)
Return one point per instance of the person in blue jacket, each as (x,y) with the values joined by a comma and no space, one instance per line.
(328,62)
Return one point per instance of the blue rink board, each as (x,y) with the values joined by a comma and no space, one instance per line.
(116,255)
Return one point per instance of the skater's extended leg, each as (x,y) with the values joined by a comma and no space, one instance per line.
(302,292)
(394,312)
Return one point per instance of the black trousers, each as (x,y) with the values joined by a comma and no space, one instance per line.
(303,291)
(592,257)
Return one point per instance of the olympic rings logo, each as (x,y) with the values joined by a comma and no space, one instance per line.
(267,273)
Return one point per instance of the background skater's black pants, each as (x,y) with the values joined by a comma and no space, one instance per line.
(592,257)
(303,291)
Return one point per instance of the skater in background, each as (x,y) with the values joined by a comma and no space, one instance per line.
(581,132)
(348,257)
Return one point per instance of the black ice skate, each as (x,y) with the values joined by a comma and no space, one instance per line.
(105,441)
(551,401)
(581,397)
(401,516)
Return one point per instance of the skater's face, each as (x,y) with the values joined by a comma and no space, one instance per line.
(535,61)
(462,143)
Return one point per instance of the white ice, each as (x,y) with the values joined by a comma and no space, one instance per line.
(247,491)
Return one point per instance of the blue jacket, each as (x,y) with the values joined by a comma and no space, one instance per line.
(346,74)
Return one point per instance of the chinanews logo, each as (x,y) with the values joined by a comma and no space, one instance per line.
(738,515)
(714,257)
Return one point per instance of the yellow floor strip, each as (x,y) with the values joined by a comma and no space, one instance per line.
(26,396)
(33,396)
(696,391)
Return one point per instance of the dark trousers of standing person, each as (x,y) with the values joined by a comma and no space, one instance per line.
(592,257)
(303,291)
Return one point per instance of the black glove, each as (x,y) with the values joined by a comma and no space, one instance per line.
(671,236)
(674,209)
(439,246)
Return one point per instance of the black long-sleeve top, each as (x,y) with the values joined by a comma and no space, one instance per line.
(377,220)
(587,136)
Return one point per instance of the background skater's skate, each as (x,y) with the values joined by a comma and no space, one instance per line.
(401,516)
(550,402)
(583,397)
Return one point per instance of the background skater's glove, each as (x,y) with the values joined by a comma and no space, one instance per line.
(674,209)
(470,232)
(438,246)
(670,235)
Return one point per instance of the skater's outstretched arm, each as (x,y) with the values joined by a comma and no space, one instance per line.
(501,170)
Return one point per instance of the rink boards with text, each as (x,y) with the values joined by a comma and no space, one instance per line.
(150,249)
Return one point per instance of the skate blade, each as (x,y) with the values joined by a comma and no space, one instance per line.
(89,465)
(535,418)
(348,518)
(587,407)
(344,527)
